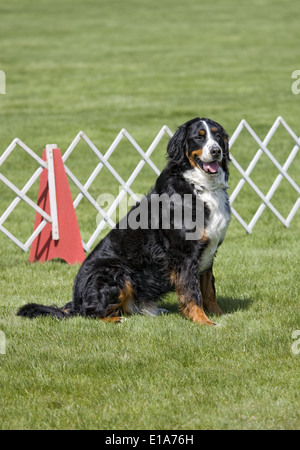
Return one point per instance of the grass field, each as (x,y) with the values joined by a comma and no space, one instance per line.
(103,65)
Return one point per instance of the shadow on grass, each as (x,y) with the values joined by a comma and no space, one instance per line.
(227,304)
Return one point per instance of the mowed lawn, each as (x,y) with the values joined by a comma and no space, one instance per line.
(99,66)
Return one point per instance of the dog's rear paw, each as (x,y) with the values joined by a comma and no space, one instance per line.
(117,320)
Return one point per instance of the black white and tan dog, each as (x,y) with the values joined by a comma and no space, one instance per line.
(130,270)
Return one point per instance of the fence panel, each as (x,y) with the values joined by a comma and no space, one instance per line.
(146,159)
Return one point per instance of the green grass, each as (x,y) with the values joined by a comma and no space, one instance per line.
(101,66)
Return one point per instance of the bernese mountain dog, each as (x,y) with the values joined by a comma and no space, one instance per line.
(132,268)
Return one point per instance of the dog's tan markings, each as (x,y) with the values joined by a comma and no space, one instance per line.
(209,294)
(126,295)
(214,130)
(188,307)
(202,132)
(194,312)
(112,319)
(173,278)
(195,154)
(204,238)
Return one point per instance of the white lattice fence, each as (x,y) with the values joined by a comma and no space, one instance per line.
(263,149)
(144,158)
(103,162)
(21,194)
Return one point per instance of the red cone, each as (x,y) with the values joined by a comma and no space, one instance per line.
(69,246)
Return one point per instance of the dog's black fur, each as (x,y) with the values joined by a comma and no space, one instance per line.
(130,270)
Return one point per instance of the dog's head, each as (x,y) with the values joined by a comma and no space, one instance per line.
(200,144)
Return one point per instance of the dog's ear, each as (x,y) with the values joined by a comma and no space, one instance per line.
(177,144)
(226,146)
(226,143)
(227,159)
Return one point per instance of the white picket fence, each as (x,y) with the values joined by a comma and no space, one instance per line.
(144,157)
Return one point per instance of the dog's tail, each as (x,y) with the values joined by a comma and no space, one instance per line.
(32,310)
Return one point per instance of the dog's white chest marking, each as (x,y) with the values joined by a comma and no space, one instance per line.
(213,193)
(217,202)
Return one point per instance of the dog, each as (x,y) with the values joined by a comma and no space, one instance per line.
(131,269)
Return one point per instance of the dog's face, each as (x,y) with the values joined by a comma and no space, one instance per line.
(201,144)
(205,146)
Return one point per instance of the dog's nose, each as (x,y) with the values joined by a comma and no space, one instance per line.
(215,152)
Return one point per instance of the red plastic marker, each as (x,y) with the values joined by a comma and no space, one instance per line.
(68,246)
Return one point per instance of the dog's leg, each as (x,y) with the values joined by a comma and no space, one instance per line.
(192,311)
(187,287)
(207,286)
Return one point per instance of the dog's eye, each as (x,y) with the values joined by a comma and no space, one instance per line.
(218,136)
(201,137)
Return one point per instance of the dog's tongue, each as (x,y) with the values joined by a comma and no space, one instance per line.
(211,167)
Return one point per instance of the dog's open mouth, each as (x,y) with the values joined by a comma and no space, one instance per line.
(210,168)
